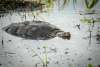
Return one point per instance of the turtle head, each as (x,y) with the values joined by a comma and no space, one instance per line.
(64,35)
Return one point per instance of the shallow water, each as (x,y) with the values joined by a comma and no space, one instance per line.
(76,52)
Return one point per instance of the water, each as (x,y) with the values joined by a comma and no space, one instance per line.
(18,52)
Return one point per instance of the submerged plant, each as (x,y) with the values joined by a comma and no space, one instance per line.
(65,2)
(46,57)
(90,36)
(89,22)
(38,55)
(39,5)
(49,3)
(45,60)
(90,3)
(74,3)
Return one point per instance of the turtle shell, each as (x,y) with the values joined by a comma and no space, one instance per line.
(36,30)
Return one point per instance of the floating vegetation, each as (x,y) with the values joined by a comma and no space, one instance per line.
(88,20)
(90,65)
(92,12)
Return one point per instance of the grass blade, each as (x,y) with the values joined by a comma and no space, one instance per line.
(65,2)
(91,3)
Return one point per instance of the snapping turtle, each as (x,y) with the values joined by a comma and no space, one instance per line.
(36,30)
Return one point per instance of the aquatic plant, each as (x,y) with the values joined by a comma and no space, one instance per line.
(38,56)
(34,5)
(39,6)
(90,31)
(49,3)
(90,65)
(45,60)
(90,3)
(46,57)
(90,36)
(89,22)
(74,3)
(65,2)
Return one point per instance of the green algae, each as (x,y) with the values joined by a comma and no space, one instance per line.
(90,65)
